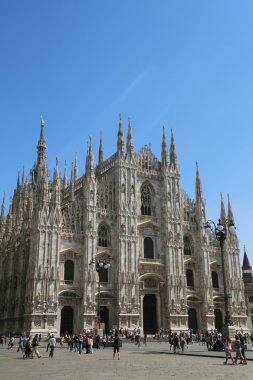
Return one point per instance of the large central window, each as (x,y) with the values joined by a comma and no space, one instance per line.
(103,236)
(146,200)
(189,278)
(69,270)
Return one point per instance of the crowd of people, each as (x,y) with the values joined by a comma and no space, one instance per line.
(84,342)
(90,339)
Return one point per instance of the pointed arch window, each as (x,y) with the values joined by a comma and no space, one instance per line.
(148,248)
(146,200)
(69,270)
(215,280)
(189,278)
(103,236)
(188,248)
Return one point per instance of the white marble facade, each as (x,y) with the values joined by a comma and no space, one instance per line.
(130,209)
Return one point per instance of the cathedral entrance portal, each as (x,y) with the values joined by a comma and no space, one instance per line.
(192,320)
(218,320)
(104,317)
(149,314)
(67,315)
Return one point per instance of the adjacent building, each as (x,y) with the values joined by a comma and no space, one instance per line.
(248,284)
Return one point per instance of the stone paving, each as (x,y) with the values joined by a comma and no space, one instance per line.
(155,361)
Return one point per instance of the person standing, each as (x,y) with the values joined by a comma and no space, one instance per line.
(116,343)
(80,343)
(52,344)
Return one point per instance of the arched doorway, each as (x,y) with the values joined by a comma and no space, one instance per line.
(192,320)
(218,320)
(149,314)
(67,315)
(104,317)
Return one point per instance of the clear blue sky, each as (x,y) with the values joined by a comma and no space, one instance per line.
(187,65)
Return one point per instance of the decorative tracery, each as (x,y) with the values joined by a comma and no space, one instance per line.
(103,236)
(188,246)
(146,200)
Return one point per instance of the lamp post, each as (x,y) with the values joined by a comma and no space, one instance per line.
(220,231)
(100,266)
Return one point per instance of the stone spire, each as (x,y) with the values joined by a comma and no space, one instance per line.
(164,150)
(200,208)
(65,178)
(18,181)
(23,176)
(56,171)
(2,210)
(130,141)
(173,156)
(100,153)
(89,161)
(198,186)
(120,144)
(57,185)
(72,184)
(9,220)
(76,169)
(230,213)
(41,146)
(44,190)
(223,217)
(2,218)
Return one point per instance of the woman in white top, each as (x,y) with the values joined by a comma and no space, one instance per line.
(228,351)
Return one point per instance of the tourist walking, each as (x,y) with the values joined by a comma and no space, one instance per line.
(237,346)
(116,343)
(28,349)
(52,344)
(228,351)
(21,343)
(242,342)
(35,346)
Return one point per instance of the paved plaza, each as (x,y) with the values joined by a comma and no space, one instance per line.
(155,361)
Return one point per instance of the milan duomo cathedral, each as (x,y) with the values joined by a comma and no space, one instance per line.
(131,212)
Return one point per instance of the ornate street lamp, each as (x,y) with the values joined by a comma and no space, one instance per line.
(220,231)
(101,265)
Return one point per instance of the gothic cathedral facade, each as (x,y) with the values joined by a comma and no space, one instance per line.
(129,210)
